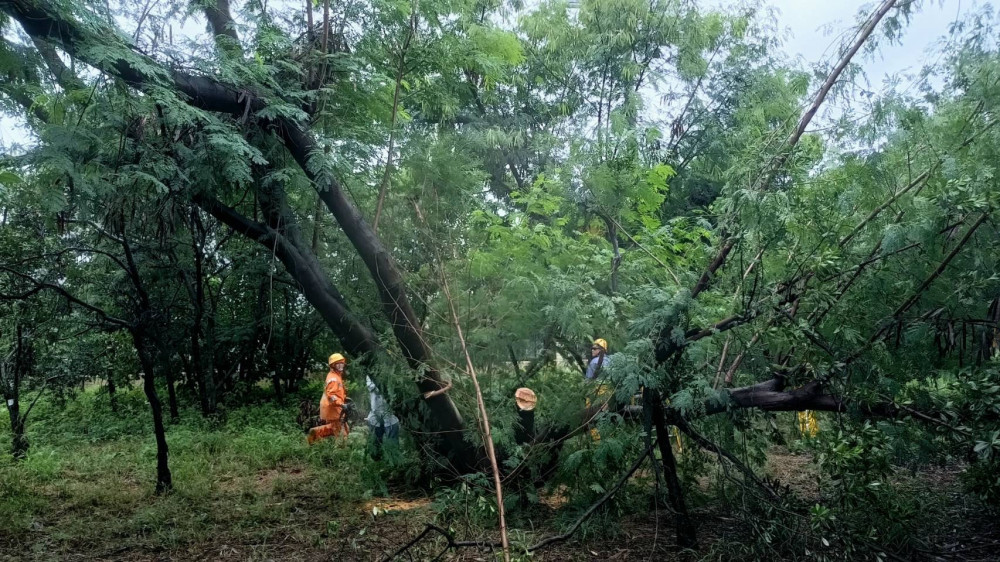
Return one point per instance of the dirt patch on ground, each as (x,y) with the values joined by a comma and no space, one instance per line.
(267,480)
(638,538)
(796,471)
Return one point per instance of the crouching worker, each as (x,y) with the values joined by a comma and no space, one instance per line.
(331,405)
(382,424)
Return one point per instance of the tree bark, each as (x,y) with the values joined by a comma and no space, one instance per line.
(687,533)
(220,19)
(18,440)
(204,375)
(164,481)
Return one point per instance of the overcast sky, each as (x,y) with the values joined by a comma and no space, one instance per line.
(815,29)
(808,20)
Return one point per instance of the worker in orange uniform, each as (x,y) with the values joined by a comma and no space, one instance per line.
(331,405)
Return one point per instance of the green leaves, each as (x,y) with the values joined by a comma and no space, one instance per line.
(494,51)
(8,179)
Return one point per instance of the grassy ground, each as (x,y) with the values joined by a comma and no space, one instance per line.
(86,487)
(251,489)
(247,489)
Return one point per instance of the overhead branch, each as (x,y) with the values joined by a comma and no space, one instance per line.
(717,262)
(771,396)
(764,180)
(41,285)
(400,71)
(316,287)
(779,161)
(918,293)
(878,210)
(64,76)
(916,182)
(19,96)
(220,20)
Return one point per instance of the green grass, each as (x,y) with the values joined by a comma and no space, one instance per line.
(87,483)
(247,486)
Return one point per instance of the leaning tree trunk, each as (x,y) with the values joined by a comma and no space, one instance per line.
(282,237)
(40,20)
(164,481)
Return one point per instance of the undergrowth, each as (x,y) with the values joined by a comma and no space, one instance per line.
(87,481)
(247,477)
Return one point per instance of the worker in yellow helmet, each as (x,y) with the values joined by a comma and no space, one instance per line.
(598,353)
(331,405)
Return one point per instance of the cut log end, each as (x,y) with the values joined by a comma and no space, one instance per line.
(525,399)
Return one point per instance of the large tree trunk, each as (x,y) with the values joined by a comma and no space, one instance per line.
(687,533)
(164,481)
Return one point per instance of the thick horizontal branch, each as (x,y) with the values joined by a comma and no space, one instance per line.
(772,397)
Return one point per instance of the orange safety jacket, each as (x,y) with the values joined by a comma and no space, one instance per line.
(334,396)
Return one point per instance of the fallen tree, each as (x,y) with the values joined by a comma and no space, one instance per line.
(253,110)
(44,21)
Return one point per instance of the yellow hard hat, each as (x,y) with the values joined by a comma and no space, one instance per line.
(602,343)
(336,358)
